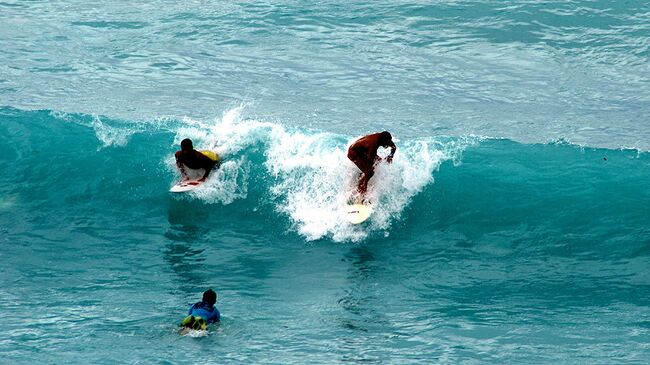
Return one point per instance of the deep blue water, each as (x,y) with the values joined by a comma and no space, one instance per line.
(511,227)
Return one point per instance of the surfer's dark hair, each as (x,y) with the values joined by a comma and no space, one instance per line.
(186,144)
(385,136)
(209,296)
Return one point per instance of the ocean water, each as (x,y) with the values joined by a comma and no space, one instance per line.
(511,228)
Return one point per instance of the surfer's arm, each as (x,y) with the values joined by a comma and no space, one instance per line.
(180,166)
(177,156)
(209,165)
(215,317)
(393,148)
(205,176)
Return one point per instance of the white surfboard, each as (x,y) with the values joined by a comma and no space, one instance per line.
(357,213)
(186,185)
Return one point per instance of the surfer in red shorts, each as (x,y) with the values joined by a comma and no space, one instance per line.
(193,159)
(363,152)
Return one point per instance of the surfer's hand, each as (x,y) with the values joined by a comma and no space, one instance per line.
(389,159)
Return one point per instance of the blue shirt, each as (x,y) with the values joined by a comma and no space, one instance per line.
(206,311)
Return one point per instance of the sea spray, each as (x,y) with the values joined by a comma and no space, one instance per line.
(308,174)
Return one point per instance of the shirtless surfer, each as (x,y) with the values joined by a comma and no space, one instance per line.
(190,158)
(363,152)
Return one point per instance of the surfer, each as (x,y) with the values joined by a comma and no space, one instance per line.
(363,152)
(190,158)
(202,313)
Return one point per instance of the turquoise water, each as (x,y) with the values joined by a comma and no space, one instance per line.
(510,228)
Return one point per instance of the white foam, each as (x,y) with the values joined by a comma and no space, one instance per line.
(315,180)
(226,184)
(111,136)
(226,136)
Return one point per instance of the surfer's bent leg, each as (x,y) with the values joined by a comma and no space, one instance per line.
(363,182)
(360,160)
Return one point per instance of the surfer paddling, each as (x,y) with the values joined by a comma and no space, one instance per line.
(363,152)
(202,313)
(190,158)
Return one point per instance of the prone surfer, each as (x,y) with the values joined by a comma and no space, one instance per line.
(193,159)
(202,313)
(363,152)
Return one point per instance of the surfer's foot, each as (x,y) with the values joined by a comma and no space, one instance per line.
(357,198)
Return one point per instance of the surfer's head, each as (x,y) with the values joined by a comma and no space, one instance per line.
(210,297)
(186,145)
(385,137)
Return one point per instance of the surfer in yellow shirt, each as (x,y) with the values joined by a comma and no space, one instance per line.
(363,152)
(190,158)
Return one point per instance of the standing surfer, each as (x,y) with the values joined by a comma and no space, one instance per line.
(363,152)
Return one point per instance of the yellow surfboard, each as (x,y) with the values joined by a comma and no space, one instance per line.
(211,155)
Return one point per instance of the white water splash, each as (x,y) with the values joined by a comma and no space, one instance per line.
(309,175)
(111,136)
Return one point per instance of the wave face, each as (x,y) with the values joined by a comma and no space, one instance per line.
(478,246)
(304,177)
